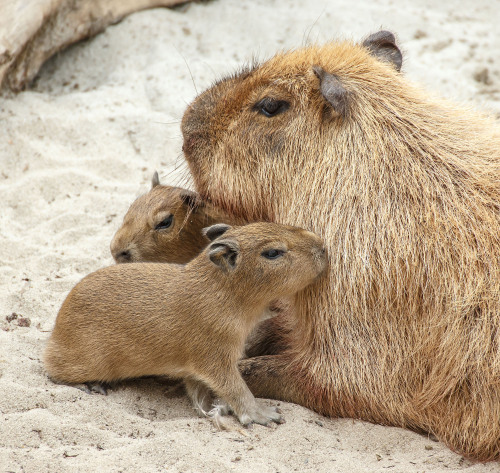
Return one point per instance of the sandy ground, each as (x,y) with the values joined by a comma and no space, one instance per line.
(83,142)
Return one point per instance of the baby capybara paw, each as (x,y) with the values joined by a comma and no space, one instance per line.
(262,416)
(94,388)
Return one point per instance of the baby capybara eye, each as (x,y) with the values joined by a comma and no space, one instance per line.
(272,254)
(165,223)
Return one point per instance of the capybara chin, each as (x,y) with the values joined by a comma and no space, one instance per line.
(165,226)
(405,190)
(141,319)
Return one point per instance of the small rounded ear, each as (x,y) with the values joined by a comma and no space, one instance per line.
(191,199)
(333,91)
(224,254)
(382,45)
(215,231)
(156,180)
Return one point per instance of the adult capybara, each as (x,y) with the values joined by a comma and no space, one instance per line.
(149,319)
(405,190)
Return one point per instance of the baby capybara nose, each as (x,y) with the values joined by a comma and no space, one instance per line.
(122,256)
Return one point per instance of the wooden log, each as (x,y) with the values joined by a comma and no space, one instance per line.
(31,31)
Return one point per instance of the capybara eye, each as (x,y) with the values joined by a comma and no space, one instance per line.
(271,107)
(165,223)
(272,254)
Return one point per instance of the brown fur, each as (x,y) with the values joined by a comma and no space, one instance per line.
(142,319)
(139,240)
(405,190)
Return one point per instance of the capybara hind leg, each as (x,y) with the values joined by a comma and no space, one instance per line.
(232,389)
(271,377)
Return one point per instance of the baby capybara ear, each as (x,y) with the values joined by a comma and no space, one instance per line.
(224,254)
(215,231)
(333,91)
(155,181)
(382,45)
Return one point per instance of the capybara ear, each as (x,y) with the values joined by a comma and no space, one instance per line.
(224,254)
(215,231)
(191,199)
(156,180)
(333,91)
(382,45)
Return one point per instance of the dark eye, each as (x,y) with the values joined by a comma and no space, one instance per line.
(165,223)
(271,107)
(272,254)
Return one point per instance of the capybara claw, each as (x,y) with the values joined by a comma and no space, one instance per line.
(263,416)
(94,388)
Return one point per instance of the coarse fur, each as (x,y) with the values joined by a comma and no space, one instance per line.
(405,190)
(142,237)
(143,319)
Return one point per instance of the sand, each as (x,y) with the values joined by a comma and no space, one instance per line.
(84,141)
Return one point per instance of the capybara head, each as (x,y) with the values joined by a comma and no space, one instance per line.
(277,260)
(164,225)
(252,139)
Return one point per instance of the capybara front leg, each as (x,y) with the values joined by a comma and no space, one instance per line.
(268,338)
(272,377)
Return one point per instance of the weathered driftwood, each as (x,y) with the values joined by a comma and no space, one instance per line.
(31,31)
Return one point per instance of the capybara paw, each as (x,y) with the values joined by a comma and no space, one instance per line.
(217,408)
(203,400)
(262,416)
(97,388)
(221,407)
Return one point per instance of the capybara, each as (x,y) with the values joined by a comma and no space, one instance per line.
(165,225)
(149,319)
(405,190)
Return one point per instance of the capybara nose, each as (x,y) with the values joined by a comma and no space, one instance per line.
(122,256)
